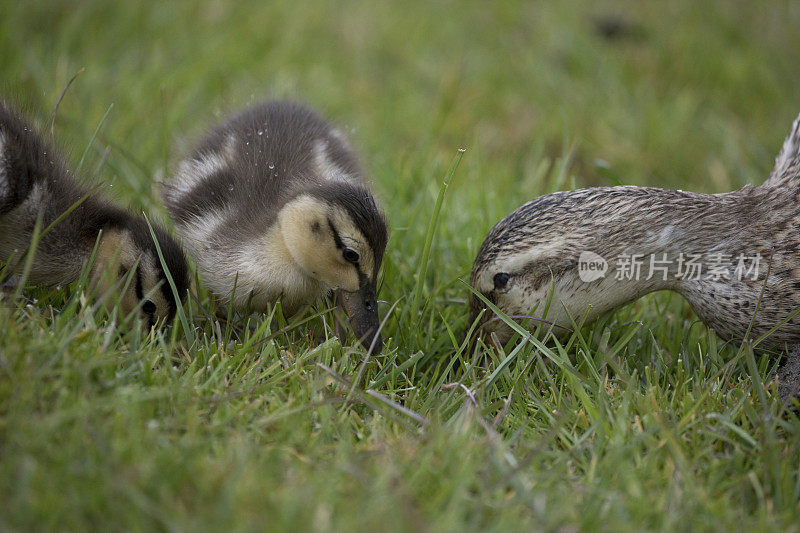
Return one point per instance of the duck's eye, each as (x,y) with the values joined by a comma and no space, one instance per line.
(123,271)
(501,280)
(149,307)
(350,255)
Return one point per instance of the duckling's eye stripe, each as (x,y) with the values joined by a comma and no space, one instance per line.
(139,290)
(336,238)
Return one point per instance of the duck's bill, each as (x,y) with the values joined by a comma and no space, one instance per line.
(361,307)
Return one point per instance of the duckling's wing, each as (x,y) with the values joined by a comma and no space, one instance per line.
(787,164)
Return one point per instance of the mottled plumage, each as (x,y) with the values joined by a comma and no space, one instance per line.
(538,248)
(34,181)
(274,203)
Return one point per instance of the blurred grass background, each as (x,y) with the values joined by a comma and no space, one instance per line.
(650,428)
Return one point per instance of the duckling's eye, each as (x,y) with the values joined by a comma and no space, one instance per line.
(149,307)
(501,280)
(350,255)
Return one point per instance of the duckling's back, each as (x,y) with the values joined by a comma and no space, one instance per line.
(35,181)
(251,165)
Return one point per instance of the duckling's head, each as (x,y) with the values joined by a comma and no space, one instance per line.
(127,260)
(336,234)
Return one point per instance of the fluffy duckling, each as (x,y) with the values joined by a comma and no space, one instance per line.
(273,205)
(600,248)
(35,182)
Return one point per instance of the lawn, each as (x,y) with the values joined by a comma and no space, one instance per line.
(644,420)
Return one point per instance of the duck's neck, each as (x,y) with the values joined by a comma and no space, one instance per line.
(695,244)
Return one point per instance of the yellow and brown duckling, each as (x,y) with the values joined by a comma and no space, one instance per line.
(273,205)
(600,248)
(35,182)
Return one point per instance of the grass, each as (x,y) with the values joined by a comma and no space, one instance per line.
(644,420)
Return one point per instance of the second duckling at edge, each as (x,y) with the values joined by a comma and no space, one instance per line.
(36,182)
(600,248)
(273,205)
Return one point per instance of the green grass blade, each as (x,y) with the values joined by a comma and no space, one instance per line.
(433,223)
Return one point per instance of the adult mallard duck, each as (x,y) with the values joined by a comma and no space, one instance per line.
(597,249)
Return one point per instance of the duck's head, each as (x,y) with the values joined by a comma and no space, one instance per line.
(336,234)
(128,270)
(519,280)
(549,262)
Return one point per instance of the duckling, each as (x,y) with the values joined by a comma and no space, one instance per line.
(35,182)
(597,249)
(273,205)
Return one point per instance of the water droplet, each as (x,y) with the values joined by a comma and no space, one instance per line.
(271,166)
(261,132)
(276,174)
(230,186)
(462,150)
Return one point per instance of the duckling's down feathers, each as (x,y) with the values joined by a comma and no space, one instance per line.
(246,170)
(257,161)
(36,181)
(268,205)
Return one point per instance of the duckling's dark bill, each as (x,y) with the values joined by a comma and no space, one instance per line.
(361,308)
